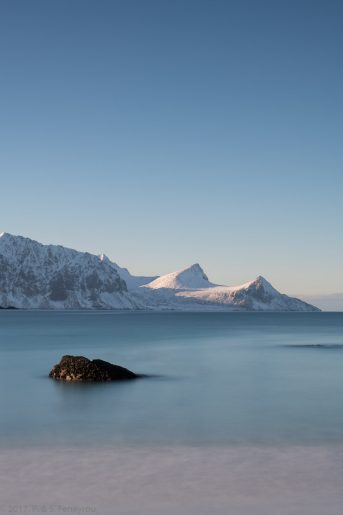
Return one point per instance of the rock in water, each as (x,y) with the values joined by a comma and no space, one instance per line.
(79,368)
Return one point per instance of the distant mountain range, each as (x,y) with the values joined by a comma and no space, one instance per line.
(36,276)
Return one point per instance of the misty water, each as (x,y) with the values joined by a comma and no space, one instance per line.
(238,413)
(211,378)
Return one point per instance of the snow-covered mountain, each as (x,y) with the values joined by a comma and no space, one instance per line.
(190,278)
(33,275)
(190,289)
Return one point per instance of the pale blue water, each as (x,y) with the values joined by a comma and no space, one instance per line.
(214,378)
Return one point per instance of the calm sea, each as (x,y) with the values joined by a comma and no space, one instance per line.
(212,378)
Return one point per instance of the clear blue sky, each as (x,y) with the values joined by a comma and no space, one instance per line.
(170,132)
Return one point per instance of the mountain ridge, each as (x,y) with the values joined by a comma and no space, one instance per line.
(38,276)
(192,277)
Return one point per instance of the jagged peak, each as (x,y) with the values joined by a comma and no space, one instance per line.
(195,269)
(7,235)
(14,236)
(8,240)
(191,283)
(104,259)
(15,247)
(261,282)
(191,277)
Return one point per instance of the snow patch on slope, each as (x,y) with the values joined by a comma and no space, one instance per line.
(192,277)
(33,275)
(190,290)
(54,277)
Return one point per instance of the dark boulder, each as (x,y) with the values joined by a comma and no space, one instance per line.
(79,368)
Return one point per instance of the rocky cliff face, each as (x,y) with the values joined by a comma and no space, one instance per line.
(33,275)
(36,276)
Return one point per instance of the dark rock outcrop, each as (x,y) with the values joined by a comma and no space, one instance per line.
(79,368)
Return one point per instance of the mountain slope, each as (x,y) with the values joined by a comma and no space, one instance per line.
(257,295)
(190,289)
(33,275)
(189,278)
(133,281)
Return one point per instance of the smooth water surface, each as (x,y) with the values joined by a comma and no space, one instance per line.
(213,378)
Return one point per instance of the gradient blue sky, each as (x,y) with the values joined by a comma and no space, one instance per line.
(170,132)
